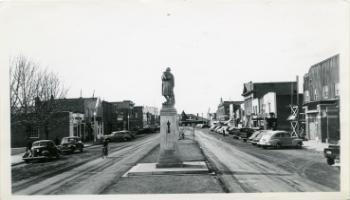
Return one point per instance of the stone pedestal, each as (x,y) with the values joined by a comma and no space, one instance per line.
(169,130)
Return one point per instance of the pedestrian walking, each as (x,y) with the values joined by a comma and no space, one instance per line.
(105,149)
(28,148)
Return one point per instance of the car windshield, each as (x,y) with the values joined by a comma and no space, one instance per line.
(68,140)
(42,143)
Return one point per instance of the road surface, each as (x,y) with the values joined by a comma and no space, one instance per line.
(243,167)
(81,173)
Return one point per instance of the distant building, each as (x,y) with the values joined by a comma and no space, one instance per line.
(268,104)
(226,110)
(145,117)
(124,114)
(321,101)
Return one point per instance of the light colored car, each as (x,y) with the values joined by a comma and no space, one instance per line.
(223,130)
(254,135)
(217,128)
(212,127)
(257,138)
(279,139)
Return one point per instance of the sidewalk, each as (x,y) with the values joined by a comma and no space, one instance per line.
(17,153)
(170,183)
(314,145)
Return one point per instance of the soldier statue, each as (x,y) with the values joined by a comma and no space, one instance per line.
(168,84)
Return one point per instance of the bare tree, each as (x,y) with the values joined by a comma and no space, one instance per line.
(32,92)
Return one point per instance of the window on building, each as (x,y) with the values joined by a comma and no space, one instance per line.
(269,107)
(306,96)
(336,89)
(315,95)
(325,92)
(34,133)
(255,110)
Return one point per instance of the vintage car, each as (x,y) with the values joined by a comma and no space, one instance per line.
(256,139)
(42,150)
(332,154)
(118,136)
(223,130)
(254,135)
(71,144)
(213,127)
(279,139)
(245,133)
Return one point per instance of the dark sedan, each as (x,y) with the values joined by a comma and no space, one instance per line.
(42,150)
(71,144)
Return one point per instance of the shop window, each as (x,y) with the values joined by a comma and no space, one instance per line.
(336,89)
(325,92)
(315,95)
(306,96)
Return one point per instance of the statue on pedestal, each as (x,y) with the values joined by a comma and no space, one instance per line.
(168,83)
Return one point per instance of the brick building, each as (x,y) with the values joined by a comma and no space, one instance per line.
(66,117)
(321,101)
(124,114)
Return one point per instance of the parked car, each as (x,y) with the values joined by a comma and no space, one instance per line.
(42,150)
(71,144)
(199,126)
(118,136)
(235,132)
(332,154)
(257,138)
(205,126)
(217,128)
(212,127)
(245,133)
(279,139)
(254,135)
(223,130)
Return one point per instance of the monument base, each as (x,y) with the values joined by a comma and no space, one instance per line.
(168,159)
(169,130)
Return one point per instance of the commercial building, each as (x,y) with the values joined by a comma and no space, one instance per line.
(227,111)
(321,101)
(144,117)
(124,114)
(268,105)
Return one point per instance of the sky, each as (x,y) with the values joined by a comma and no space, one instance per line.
(119,49)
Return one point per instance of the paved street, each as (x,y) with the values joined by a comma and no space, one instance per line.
(238,167)
(81,173)
(246,168)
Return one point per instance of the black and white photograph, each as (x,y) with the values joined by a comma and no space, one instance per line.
(183,99)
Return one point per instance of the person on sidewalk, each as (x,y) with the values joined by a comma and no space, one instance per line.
(105,149)
(28,148)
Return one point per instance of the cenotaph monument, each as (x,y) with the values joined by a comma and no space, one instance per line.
(169,125)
